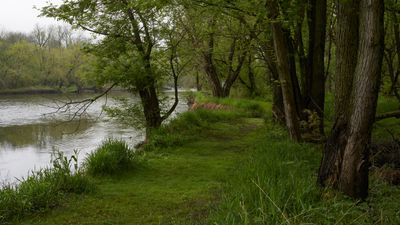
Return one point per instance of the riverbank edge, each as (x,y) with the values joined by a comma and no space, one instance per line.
(153,193)
(45,90)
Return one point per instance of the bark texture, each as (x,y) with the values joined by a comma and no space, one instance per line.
(282,48)
(346,59)
(354,172)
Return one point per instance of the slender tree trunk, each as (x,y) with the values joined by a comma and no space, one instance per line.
(298,97)
(346,59)
(395,75)
(283,62)
(315,79)
(198,84)
(278,111)
(211,71)
(251,76)
(353,179)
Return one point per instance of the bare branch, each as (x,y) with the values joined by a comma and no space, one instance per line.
(78,108)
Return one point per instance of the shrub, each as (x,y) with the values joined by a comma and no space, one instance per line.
(111,157)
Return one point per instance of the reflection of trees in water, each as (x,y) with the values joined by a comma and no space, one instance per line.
(41,135)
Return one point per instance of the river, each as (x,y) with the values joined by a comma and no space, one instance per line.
(29,131)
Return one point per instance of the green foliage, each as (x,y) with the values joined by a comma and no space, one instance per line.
(127,112)
(43,189)
(111,158)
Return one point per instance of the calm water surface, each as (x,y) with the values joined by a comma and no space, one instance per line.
(28,134)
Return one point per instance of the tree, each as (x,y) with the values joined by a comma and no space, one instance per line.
(222,42)
(345,163)
(130,31)
(281,47)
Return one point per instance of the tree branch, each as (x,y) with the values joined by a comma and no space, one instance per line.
(393,114)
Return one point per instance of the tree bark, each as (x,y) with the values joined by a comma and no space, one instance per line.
(151,108)
(281,47)
(210,68)
(346,162)
(314,98)
(278,111)
(354,176)
(346,59)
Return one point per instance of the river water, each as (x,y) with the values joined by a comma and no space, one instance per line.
(29,131)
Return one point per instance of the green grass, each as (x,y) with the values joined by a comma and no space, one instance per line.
(173,185)
(223,167)
(276,184)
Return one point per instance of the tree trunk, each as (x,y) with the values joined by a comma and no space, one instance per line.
(281,47)
(251,76)
(211,70)
(346,59)
(198,84)
(278,111)
(315,79)
(151,107)
(353,179)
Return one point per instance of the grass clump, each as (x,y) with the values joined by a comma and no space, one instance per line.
(43,189)
(112,157)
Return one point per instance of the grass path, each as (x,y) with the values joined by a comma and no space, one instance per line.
(172,186)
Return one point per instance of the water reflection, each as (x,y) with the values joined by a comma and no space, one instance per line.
(40,136)
(27,138)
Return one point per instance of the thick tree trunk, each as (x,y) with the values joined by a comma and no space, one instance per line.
(353,179)
(283,62)
(346,59)
(151,107)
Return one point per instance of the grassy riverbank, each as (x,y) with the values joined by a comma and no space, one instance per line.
(222,167)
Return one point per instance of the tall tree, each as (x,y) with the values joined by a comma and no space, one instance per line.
(351,174)
(314,89)
(347,37)
(131,34)
(222,45)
